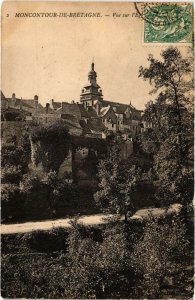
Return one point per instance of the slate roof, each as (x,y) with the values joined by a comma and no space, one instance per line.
(56,105)
(104,110)
(46,110)
(92,112)
(94,124)
(83,111)
(85,127)
(70,109)
(119,106)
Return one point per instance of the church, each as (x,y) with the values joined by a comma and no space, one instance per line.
(115,116)
(97,115)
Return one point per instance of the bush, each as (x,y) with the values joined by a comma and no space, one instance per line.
(11,174)
(30,183)
(156,253)
(46,241)
(51,145)
(12,202)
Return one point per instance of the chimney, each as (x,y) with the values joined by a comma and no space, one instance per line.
(47,107)
(51,102)
(36,98)
(13,99)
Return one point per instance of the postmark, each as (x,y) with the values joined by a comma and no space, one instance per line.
(167,23)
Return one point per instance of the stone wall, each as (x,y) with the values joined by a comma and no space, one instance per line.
(83,155)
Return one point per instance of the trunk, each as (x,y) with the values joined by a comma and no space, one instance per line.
(179,119)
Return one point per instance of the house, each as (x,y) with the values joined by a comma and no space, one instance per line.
(19,109)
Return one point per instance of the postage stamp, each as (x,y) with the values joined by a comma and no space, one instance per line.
(168,23)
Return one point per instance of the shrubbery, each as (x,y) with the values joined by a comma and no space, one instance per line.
(53,142)
(84,267)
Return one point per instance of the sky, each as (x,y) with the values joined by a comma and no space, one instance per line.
(51,56)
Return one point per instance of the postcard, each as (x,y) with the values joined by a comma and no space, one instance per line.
(97,150)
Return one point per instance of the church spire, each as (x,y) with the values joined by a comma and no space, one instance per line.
(92,65)
(91,91)
(92,75)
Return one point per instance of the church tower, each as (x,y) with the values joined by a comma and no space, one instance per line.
(91,91)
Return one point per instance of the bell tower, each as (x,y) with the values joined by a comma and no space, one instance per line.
(91,91)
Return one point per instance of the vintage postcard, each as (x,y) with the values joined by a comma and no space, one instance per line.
(97,150)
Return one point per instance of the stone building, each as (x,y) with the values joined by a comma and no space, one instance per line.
(92,116)
(19,109)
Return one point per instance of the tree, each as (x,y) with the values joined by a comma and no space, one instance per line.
(172,120)
(50,145)
(117,183)
(11,174)
(172,79)
(56,190)
(156,254)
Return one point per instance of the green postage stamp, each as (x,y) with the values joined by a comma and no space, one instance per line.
(168,23)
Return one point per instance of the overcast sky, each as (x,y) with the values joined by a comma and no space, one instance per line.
(51,57)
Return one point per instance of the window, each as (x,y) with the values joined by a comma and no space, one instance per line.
(112,125)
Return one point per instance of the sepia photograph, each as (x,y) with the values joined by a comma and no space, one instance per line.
(97,150)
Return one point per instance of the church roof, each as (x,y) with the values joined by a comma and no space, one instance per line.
(83,111)
(120,107)
(92,112)
(85,127)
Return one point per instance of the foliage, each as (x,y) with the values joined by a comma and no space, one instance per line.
(97,269)
(46,241)
(155,254)
(11,174)
(16,154)
(172,119)
(30,183)
(81,277)
(117,183)
(57,189)
(148,143)
(53,132)
(9,192)
(50,145)
(79,266)
(175,185)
